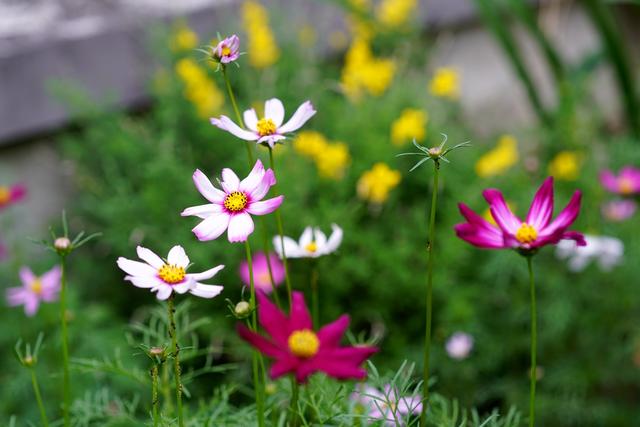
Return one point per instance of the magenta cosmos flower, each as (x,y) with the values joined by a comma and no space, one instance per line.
(626,183)
(228,50)
(11,195)
(165,277)
(269,129)
(388,405)
(535,231)
(298,349)
(231,208)
(261,277)
(35,289)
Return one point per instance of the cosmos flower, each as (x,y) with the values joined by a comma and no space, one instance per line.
(499,159)
(35,289)
(269,129)
(300,350)
(606,251)
(167,276)
(535,231)
(388,405)
(375,184)
(261,277)
(231,208)
(619,210)
(626,183)
(459,345)
(11,195)
(313,243)
(228,50)
(445,83)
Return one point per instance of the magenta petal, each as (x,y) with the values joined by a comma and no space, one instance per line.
(479,237)
(330,335)
(283,366)
(274,322)
(541,209)
(609,181)
(501,213)
(299,317)
(265,346)
(565,218)
(574,235)
(31,304)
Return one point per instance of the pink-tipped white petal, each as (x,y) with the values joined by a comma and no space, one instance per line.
(250,119)
(271,139)
(149,257)
(212,227)
(274,110)
(208,274)
(266,206)
(136,268)
(225,123)
(262,189)
(164,292)
(240,227)
(254,178)
(206,188)
(177,256)
(230,181)
(206,291)
(541,209)
(203,211)
(299,118)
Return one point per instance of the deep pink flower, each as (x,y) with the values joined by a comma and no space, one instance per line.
(268,129)
(232,208)
(298,349)
(261,277)
(35,289)
(228,50)
(535,231)
(11,195)
(619,210)
(626,183)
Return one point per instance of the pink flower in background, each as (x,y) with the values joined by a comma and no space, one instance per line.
(261,278)
(11,195)
(232,208)
(626,183)
(165,277)
(535,231)
(387,405)
(298,349)
(35,289)
(268,129)
(459,345)
(619,210)
(228,50)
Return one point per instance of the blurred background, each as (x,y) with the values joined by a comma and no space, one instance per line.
(104,112)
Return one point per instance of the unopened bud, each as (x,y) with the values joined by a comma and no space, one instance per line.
(156,351)
(242,309)
(29,361)
(62,245)
(434,152)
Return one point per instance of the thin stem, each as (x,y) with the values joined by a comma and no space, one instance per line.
(232,98)
(293,409)
(154,394)
(281,232)
(428,313)
(66,384)
(36,390)
(534,344)
(175,348)
(265,245)
(315,301)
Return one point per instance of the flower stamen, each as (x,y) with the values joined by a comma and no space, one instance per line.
(624,185)
(311,247)
(304,343)
(172,274)
(5,195)
(226,50)
(526,234)
(36,286)
(266,127)
(236,201)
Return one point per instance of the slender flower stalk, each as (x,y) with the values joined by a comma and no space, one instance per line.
(315,298)
(154,395)
(36,391)
(232,98)
(66,383)
(175,350)
(29,360)
(293,408)
(534,344)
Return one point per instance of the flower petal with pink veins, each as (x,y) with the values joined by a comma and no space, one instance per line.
(212,227)
(274,110)
(202,211)
(271,139)
(299,118)
(177,256)
(565,218)
(149,257)
(230,181)
(266,206)
(254,178)
(240,227)
(501,212)
(541,209)
(250,119)
(206,188)
(263,187)
(225,123)
(135,268)
(206,291)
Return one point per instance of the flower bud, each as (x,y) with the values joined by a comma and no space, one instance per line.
(29,361)
(62,245)
(156,351)
(242,309)
(435,152)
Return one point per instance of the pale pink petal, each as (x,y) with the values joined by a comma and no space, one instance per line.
(206,188)
(254,178)
(230,181)
(164,292)
(31,305)
(262,189)
(177,256)
(135,268)
(183,287)
(203,211)
(225,123)
(149,257)
(17,295)
(212,227)
(609,181)
(271,139)
(240,227)
(26,276)
(501,212)
(51,280)
(266,206)
(144,282)
(250,119)
(541,209)
(299,118)
(274,110)
(208,274)
(206,291)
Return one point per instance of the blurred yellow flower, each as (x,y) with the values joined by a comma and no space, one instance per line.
(183,38)
(331,159)
(374,185)
(498,160)
(565,166)
(261,44)
(364,72)
(199,89)
(445,83)
(411,124)
(309,143)
(395,13)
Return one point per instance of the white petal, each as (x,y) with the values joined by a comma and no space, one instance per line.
(230,181)
(274,110)
(177,256)
(271,139)
(183,287)
(240,227)
(254,178)
(149,257)
(334,240)
(143,282)
(250,119)
(206,188)
(164,292)
(291,248)
(196,277)
(306,237)
(299,118)
(202,211)
(212,227)
(206,291)
(136,268)
(262,189)
(225,123)
(321,242)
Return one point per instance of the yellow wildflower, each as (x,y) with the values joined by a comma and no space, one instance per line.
(445,83)
(199,89)
(262,48)
(183,38)
(333,160)
(565,166)
(375,184)
(363,72)
(498,160)
(395,13)
(309,143)
(411,124)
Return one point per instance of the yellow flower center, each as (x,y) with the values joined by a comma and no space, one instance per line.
(624,185)
(226,50)
(526,233)
(5,195)
(266,127)
(36,286)
(236,201)
(311,247)
(172,274)
(304,343)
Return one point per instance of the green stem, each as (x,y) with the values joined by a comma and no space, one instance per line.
(266,248)
(232,98)
(534,344)
(36,390)
(175,348)
(427,334)
(315,301)
(166,389)
(255,362)
(66,384)
(281,232)
(154,394)
(293,409)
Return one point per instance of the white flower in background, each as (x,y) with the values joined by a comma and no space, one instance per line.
(313,243)
(166,277)
(459,345)
(606,251)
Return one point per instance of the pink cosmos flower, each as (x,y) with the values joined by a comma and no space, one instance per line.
(228,50)
(232,208)
(387,405)
(165,277)
(11,195)
(261,277)
(626,183)
(619,210)
(35,289)
(459,345)
(268,129)
(535,231)
(298,349)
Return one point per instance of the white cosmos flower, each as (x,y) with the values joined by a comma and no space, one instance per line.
(313,243)
(606,251)
(165,277)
